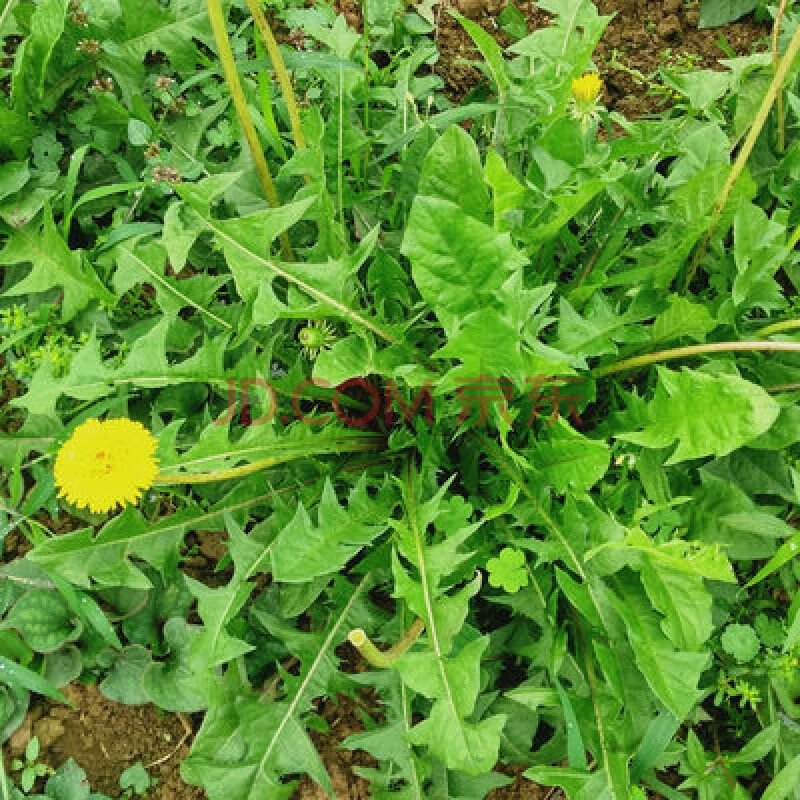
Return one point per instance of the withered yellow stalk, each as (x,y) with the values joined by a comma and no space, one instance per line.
(217,19)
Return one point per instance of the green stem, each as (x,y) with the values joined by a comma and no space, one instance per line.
(4,13)
(747,148)
(365,17)
(340,159)
(218,27)
(692,350)
(171,479)
(776,29)
(779,327)
(280,71)
(383,659)
(794,238)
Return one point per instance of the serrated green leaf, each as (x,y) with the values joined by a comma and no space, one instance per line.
(705,414)
(304,550)
(54,265)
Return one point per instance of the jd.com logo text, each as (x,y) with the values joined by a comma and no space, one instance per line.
(476,395)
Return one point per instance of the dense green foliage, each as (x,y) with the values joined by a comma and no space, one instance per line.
(602,551)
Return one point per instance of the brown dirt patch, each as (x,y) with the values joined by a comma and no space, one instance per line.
(642,37)
(106,738)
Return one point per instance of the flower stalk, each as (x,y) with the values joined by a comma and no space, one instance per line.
(281,72)
(383,659)
(775,87)
(217,19)
(180,478)
(692,350)
(783,326)
(776,31)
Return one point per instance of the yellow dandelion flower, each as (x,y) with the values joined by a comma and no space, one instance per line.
(587,88)
(106,463)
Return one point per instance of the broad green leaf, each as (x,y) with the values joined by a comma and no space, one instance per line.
(69,783)
(705,414)
(244,243)
(43,619)
(714,13)
(30,66)
(486,342)
(682,318)
(567,459)
(63,666)
(91,377)
(471,747)
(123,682)
(245,746)
(174,684)
(722,514)
(741,642)
(452,171)
(216,607)
(146,265)
(702,87)
(451,680)
(150,26)
(451,271)
(13,176)
(784,784)
(459,675)
(759,251)
(104,557)
(671,673)
(683,600)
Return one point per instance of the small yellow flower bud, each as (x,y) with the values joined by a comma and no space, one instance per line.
(587,88)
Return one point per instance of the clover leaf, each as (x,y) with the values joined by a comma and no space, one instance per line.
(508,570)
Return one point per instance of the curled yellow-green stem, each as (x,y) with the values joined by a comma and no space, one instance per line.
(383,659)
(775,87)
(179,478)
(280,71)
(217,19)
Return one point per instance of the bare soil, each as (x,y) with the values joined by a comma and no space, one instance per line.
(642,37)
(106,738)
